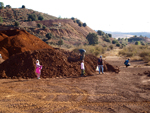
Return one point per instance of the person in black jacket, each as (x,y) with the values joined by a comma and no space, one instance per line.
(100,65)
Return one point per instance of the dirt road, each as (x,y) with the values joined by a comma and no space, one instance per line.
(126,92)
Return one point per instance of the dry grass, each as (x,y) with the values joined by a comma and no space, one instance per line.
(95,50)
(136,52)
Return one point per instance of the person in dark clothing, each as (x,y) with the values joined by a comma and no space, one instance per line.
(100,65)
(82,52)
(127,62)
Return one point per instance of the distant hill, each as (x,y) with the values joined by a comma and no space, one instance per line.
(128,34)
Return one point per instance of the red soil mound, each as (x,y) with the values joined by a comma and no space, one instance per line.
(17,41)
(55,63)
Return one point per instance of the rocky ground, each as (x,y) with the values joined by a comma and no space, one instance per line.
(125,92)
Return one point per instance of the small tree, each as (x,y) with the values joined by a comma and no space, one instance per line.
(49,35)
(73,18)
(84,25)
(137,43)
(60,42)
(135,35)
(1,5)
(80,24)
(118,44)
(107,40)
(32,17)
(1,19)
(77,21)
(39,25)
(23,6)
(8,6)
(44,27)
(40,17)
(110,35)
(92,38)
(16,23)
(114,41)
(100,32)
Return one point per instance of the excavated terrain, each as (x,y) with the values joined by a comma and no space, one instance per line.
(55,62)
(18,41)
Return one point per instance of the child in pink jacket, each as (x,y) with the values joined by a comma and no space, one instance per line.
(38,69)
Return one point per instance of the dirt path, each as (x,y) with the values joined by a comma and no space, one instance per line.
(126,92)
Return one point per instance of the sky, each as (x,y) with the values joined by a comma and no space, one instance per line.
(105,15)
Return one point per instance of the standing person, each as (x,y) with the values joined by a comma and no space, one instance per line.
(127,62)
(100,65)
(82,53)
(0,56)
(82,68)
(38,69)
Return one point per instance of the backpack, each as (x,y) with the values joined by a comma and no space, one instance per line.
(100,62)
(126,62)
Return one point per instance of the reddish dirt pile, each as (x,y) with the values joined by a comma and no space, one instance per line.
(18,41)
(55,63)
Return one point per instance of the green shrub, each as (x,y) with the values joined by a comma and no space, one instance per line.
(23,6)
(8,6)
(137,43)
(17,23)
(107,40)
(49,35)
(92,38)
(60,42)
(1,5)
(118,45)
(114,41)
(84,25)
(100,32)
(32,17)
(44,27)
(73,18)
(39,25)
(110,35)
(80,24)
(40,18)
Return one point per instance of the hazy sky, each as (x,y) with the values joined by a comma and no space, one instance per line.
(106,15)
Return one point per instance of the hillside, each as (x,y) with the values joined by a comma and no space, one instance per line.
(20,14)
(66,29)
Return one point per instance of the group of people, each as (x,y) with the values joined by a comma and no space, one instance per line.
(100,64)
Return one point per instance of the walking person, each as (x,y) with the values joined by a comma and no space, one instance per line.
(82,68)
(100,65)
(38,69)
(127,62)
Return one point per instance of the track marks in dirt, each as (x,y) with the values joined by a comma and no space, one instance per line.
(13,100)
